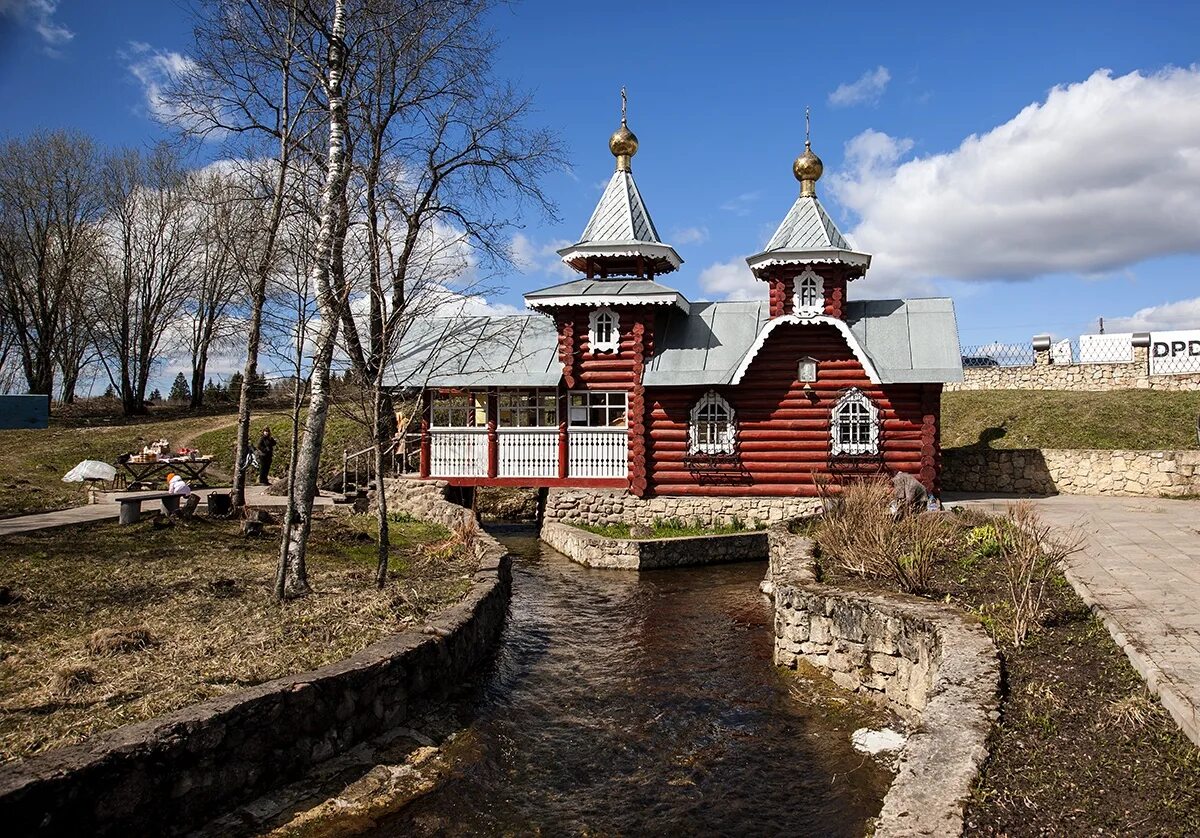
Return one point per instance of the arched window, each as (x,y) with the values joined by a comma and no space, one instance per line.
(809,299)
(854,425)
(713,426)
(604,334)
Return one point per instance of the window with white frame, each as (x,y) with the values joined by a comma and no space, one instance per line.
(597,409)
(604,333)
(457,409)
(809,299)
(854,425)
(713,426)
(528,408)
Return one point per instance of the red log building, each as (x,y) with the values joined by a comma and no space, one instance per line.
(617,380)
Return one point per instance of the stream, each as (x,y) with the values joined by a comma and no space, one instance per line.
(624,703)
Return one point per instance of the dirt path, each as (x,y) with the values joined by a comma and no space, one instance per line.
(215,423)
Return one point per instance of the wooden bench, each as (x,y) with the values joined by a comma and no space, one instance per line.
(131,505)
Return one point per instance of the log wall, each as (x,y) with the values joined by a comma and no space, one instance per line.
(783,430)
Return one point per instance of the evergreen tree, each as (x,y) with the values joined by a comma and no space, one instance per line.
(235,386)
(156,396)
(180,391)
(109,392)
(260,387)
(213,391)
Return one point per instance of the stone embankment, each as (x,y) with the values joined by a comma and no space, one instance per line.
(1047,471)
(602,507)
(172,773)
(924,660)
(1045,375)
(596,550)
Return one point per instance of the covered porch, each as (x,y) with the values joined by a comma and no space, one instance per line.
(499,436)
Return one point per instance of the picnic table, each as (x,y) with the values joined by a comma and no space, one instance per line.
(156,471)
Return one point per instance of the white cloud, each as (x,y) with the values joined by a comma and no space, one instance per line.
(1182,314)
(867,90)
(1103,174)
(532,258)
(742,203)
(732,280)
(154,69)
(690,235)
(40,14)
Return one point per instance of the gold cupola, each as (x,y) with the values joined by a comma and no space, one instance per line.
(807,167)
(623,143)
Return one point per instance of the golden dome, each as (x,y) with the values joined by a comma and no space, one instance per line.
(808,167)
(623,142)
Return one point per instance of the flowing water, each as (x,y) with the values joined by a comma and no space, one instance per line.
(643,704)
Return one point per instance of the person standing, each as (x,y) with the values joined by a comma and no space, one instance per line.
(266,450)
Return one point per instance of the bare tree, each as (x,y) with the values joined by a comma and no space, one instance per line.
(249,86)
(48,201)
(438,145)
(292,577)
(227,243)
(145,266)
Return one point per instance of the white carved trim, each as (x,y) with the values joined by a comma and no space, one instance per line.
(854,396)
(822,320)
(595,344)
(808,257)
(818,307)
(729,436)
(609,300)
(623,249)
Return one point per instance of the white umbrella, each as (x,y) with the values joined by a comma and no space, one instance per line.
(90,470)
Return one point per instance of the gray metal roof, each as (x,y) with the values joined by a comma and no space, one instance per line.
(621,215)
(516,351)
(807,226)
(606,292)
(910,341)
(907,341)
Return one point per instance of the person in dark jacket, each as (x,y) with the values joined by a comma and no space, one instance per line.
(266,450)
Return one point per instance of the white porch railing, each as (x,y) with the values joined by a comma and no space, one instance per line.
(461,452)
(598,452)
(527,452)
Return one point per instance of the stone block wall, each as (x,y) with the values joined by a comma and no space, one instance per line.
(611,506)
(596,550)
(1071,471)
(172,773)
(925,660)
(1044,375)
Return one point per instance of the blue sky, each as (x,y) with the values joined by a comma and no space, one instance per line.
(1085,205)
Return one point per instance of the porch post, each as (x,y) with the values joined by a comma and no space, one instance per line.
(564,408)
(426,408)
(493,410)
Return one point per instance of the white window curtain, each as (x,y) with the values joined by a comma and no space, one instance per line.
(604,334)
(713,426)
(809,297)
(854,425)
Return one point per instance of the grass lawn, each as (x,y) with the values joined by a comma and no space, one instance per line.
(107,625)
(1136,419)
(32,463)
(668,528)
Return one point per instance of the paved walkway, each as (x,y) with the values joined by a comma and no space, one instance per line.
(107,508)
(1140,568)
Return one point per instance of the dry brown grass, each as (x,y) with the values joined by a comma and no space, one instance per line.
(861,534)
(111,625)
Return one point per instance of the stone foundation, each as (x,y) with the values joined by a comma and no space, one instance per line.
(610,506)
(924,660)
(175,772)
(595,550)
(1049,471)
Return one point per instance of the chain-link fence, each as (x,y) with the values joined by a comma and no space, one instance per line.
(997,355)
(1170,353)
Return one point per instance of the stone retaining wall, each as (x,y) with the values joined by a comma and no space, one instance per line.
(1044,375)
(1048,471)
(595,550)
(923,659)
(169,774)
(613,506)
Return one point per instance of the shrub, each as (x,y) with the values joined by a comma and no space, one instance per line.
(860,533)
(1029,557)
